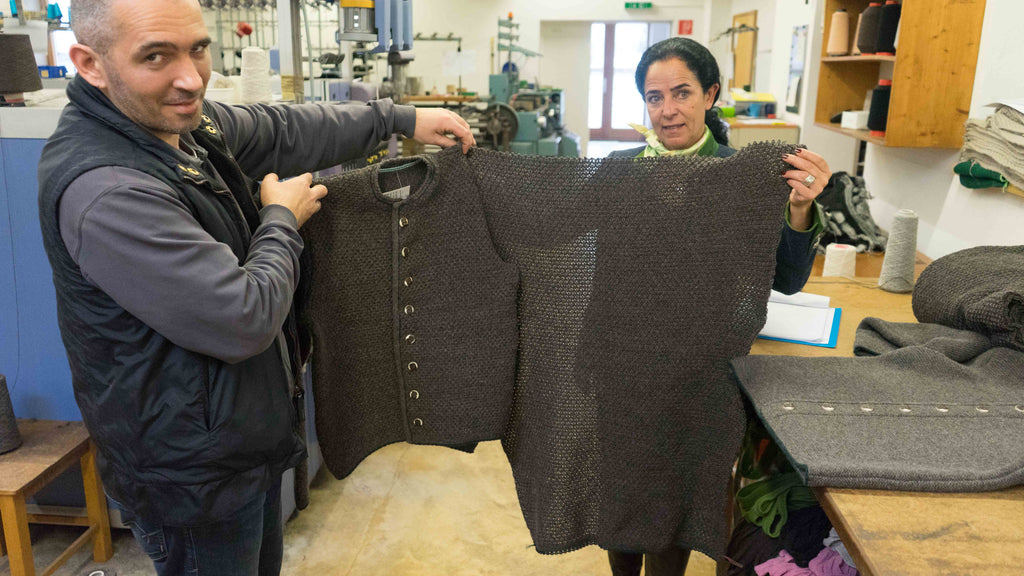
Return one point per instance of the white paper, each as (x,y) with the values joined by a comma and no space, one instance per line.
(789,322)
(800,299)
(1015,103)
(455,63)
(802,317)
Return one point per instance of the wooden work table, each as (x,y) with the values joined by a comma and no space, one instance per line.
(910,533)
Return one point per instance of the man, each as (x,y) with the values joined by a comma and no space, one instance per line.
(174,285)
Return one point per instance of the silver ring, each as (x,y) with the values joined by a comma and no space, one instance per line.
(809,180)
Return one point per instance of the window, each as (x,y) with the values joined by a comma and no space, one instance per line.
(615,102)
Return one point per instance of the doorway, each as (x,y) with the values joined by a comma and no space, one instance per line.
(615,50)
(744,50)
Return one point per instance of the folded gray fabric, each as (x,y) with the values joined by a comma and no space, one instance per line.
(876,336)
(978,289)
(997,143)
(937,406)
(911,419)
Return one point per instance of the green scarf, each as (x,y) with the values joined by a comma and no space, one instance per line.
(706,146)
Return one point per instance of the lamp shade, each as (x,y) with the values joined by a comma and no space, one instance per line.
(9,436)
(18,70)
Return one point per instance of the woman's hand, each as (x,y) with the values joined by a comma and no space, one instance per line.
(807,180)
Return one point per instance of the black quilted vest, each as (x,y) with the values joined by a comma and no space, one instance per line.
(183,438)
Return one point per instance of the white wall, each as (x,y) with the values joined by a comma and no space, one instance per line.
(568,67)
(952,217)
(720,21)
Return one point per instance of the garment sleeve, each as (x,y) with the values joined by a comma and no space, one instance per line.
(293,139)
(134,239)
(795,255)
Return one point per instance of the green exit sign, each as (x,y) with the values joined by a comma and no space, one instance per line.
(639,5)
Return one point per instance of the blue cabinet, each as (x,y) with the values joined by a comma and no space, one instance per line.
(31,354)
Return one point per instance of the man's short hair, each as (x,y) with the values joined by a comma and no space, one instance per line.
(91,21)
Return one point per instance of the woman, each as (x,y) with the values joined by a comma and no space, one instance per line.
(679,81)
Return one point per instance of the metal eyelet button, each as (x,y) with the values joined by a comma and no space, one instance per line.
(905,410)
(414,394)
(413,366)
(405,252)
(981,409)
(866,409)
(942,409)
(403,221)
(410,338)
(828,408)
(409,309)
(407,281)
(1019,408)
(417,422)
(788,406)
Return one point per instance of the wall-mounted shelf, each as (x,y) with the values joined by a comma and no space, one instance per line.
(858,134)
(932,74)
(860,58)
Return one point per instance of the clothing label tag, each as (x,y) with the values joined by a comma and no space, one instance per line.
(398,194)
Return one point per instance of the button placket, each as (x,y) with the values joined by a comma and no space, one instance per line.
(408,338)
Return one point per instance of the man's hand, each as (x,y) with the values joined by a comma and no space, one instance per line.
(294,194)
(434,124)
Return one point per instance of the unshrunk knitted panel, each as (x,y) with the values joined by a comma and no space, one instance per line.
(930,408)
(979,289)
(632,284)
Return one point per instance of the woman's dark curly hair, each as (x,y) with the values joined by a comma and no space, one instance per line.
(699,60)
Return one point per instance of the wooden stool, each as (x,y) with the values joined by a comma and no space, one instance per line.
(50,447)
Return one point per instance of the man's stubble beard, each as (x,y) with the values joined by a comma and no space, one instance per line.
(153,121)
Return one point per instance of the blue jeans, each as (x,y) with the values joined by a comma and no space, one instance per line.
(250,543)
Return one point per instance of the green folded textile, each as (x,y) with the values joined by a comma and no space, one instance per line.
(767,503)
(974,175)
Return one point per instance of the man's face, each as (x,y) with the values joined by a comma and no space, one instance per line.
(158,66)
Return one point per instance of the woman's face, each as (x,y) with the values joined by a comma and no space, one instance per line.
(676,103)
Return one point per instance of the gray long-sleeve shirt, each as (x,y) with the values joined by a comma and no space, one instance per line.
(135,240)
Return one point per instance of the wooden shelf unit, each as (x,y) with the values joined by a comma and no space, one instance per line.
(860,58)
(933,73)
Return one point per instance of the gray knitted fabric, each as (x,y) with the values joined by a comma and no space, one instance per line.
(979,289)
(584,310)
(927,406)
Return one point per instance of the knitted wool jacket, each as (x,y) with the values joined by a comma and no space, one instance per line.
(931,406)
(584,311)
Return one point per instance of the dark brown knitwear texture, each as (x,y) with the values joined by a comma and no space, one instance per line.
(979,289)
(582,310)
